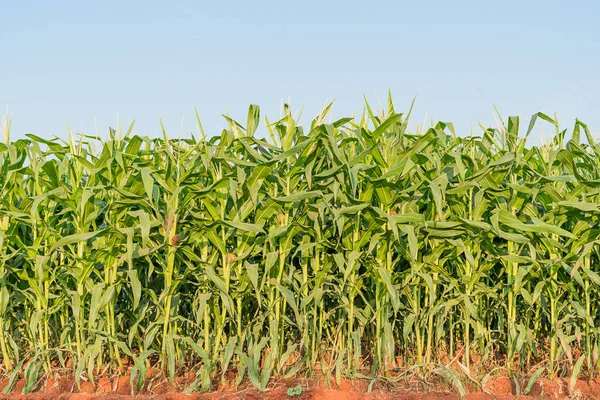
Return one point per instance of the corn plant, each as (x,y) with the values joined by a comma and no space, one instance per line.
(349,246)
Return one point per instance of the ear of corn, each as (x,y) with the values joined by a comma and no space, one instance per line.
(347,246)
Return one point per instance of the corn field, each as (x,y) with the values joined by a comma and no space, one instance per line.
(348,248)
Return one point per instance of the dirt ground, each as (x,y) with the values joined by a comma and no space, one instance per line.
(119,388)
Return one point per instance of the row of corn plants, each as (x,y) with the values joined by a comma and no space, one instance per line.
(349,247)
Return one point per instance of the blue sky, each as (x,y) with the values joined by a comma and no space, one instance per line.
(79,63)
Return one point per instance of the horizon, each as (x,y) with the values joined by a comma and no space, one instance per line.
(537,131)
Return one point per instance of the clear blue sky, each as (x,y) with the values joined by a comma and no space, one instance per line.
(71,62)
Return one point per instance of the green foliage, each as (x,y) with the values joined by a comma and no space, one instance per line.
(295,391)
(350,245)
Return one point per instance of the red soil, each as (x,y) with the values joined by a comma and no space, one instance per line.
(120,388)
